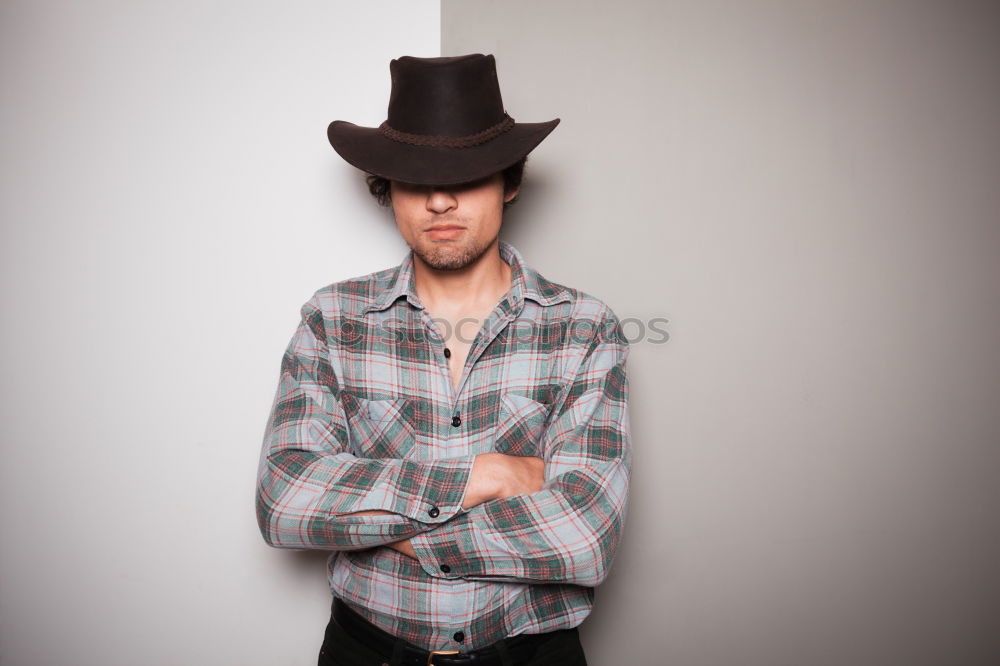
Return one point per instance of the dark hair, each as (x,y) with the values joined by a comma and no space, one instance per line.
(512,175)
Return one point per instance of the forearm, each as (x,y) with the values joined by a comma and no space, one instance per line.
(548,543)
(493,476)
(313,501)
(566,533)
(340,502)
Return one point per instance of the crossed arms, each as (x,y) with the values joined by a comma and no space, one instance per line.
(462,517)
(493,476)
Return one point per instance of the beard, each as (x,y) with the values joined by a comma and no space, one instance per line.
(451,256)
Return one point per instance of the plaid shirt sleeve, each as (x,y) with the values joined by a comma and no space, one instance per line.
(569,531)
(307,479)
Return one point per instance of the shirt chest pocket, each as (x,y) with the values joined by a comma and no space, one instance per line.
(520,425)
(380,428)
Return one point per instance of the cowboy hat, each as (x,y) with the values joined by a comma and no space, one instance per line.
(446,125)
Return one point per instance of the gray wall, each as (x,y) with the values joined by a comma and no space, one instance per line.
(168,201)
(809,193)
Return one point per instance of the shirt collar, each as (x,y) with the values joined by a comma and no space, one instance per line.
(525,283)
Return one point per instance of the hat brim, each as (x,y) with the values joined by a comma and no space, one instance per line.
(369,150)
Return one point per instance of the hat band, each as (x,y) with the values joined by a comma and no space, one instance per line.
(448,141)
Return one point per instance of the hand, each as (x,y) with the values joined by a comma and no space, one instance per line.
(498,476)
(403,547)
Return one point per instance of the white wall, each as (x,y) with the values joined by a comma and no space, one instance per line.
(809,192)
(168,201)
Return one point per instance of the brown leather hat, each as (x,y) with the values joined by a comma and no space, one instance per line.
(446,125)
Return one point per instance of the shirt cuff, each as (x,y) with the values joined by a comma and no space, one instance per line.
(430,491)
(441,551)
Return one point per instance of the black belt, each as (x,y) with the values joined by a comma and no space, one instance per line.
(520,648)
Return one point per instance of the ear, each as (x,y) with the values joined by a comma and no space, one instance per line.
(509,196)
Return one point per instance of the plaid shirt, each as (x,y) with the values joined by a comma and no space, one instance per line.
(366,417)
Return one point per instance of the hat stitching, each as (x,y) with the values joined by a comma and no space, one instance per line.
(448,141)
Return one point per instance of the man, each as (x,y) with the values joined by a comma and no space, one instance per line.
(454,428)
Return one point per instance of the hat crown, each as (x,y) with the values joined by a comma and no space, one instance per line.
(449,96)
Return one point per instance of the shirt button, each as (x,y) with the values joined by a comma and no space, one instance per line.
(445,568)
(456,420)
(434,512)
(459,636)
(447,353)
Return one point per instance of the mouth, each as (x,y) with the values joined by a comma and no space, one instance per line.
(445,231)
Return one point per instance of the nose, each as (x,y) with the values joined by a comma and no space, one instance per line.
(441,200)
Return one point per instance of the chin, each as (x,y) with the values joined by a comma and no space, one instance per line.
(449,255)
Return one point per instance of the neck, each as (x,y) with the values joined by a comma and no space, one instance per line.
(480,284)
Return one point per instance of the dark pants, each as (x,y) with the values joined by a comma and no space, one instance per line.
(340,648)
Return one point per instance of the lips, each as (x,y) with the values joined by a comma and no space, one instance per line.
(445,231)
